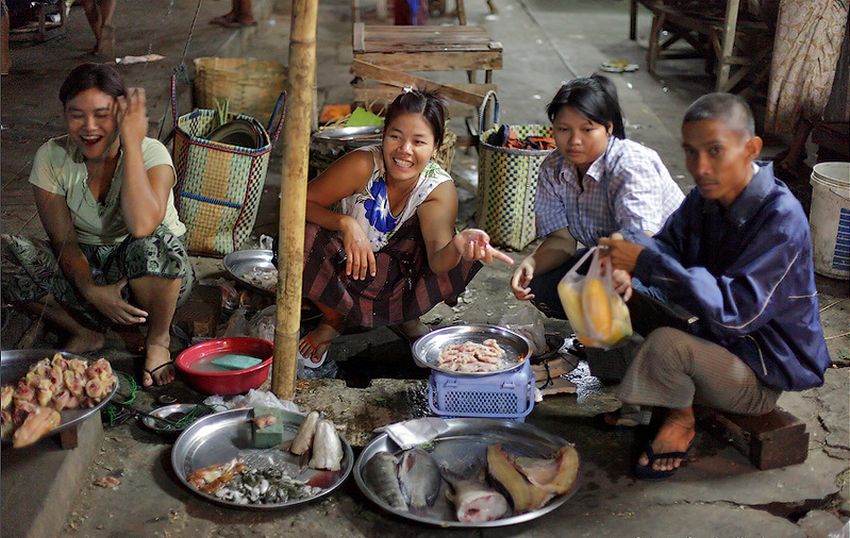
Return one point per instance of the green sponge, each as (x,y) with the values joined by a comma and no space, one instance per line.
(231,361)
(270,435)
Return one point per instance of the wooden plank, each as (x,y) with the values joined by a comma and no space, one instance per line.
(359,31)
(435,61)
(728,45)
(368,91)
(402,80)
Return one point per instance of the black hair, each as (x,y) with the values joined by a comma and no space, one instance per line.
(91,75)
(594,97)
(425,102)
(731,109)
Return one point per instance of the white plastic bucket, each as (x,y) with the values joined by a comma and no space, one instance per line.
(830,219)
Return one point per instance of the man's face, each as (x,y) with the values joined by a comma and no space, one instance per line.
(719,158)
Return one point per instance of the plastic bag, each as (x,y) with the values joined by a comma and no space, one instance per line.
(527,321)
(597,313)
(254,398)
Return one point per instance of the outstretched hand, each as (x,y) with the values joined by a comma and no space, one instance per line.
(474,244)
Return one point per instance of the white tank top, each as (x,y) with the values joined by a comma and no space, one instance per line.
(371,207)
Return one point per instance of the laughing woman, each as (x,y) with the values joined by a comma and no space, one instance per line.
(103,193)
(390,253)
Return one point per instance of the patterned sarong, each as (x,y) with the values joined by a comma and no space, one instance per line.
(403,288)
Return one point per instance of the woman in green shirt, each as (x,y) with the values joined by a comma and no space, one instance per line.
(103,193)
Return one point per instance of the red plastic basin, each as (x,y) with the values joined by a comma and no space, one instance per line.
(227,383)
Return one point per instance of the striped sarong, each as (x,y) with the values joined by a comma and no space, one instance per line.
(403,288)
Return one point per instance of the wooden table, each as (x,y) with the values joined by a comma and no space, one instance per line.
(384,55)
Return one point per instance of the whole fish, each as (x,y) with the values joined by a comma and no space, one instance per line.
(327,448)
(474,500)
(382,476)
(419,478)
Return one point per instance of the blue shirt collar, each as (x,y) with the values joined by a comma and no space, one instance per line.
(749,201)
(599,166)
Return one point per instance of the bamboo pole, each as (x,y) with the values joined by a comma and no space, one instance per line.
(296,135)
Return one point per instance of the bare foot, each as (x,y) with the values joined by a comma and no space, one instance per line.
(227,18)
(85,342)
(159,369)
(675,435)
(315,342)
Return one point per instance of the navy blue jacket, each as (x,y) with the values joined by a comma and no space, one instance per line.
(747,272)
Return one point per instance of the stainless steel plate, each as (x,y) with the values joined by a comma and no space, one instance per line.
(351,135)
(462,449)
(218,438)
(15,363)
(242,262)
(426,350)
(168,412)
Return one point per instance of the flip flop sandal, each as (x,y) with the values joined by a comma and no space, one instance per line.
(620,424)
(155,370)
(237,24)
(314,347)
(646,472)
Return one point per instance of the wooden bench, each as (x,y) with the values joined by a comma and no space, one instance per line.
(733,46)
(384,55)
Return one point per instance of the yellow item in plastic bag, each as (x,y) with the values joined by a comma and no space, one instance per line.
(571,301)
(597,308)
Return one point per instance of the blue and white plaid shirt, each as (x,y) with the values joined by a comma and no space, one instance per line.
(627,188)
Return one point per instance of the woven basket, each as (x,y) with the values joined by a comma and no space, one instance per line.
(507,184)
(251,86)
(218,188)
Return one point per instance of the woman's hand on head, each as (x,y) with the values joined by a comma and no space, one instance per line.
(359,258)
(474,244)
(108,301)
(132,116)
(522,279)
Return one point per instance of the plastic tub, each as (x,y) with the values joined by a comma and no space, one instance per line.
(232,382)
(830,219)
(508,395)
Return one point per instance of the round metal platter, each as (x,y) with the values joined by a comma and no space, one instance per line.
(351,135)
(15,363)
(241,263)
(462,449)
(426,350)
(218,438)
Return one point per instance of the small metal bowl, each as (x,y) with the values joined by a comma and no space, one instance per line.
(426,350)
(173,413)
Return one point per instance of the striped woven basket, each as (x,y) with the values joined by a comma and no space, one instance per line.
(507,184)
(218,187)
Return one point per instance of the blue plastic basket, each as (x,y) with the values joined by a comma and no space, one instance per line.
(505,395)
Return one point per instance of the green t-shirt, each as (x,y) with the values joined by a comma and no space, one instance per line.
(59,168)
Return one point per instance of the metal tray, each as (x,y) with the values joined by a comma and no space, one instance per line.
(352,136)
(167,412)
(15,363)
(218,438)
(241,262)
(426,350)
(462,449)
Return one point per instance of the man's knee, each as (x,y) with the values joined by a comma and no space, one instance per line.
(667,348)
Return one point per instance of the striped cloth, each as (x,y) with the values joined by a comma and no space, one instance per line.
(403,288)
(627,188)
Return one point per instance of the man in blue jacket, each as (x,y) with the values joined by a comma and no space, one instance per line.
(738,255)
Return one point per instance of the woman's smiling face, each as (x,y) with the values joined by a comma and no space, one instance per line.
(408,146)
(90,118)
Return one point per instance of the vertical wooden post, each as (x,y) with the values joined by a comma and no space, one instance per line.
(296,136)
(724,65)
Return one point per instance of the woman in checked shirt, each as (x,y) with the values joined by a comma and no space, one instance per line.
(596,184)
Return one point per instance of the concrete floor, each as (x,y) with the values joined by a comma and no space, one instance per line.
(545,41)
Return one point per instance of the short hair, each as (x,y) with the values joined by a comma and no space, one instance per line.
(91,75)
(731,109)
(428,103)
(594,97)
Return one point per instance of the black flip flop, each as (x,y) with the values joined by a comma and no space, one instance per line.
(646,472)
(155,370)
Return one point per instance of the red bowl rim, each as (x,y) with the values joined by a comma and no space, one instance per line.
(178,361)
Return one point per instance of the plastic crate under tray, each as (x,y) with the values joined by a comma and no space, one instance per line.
(504,395)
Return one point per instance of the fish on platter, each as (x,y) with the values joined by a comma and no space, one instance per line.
(381,473)
(419,478)
(327,448)
(524,495)
(555,475)
(473,499)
